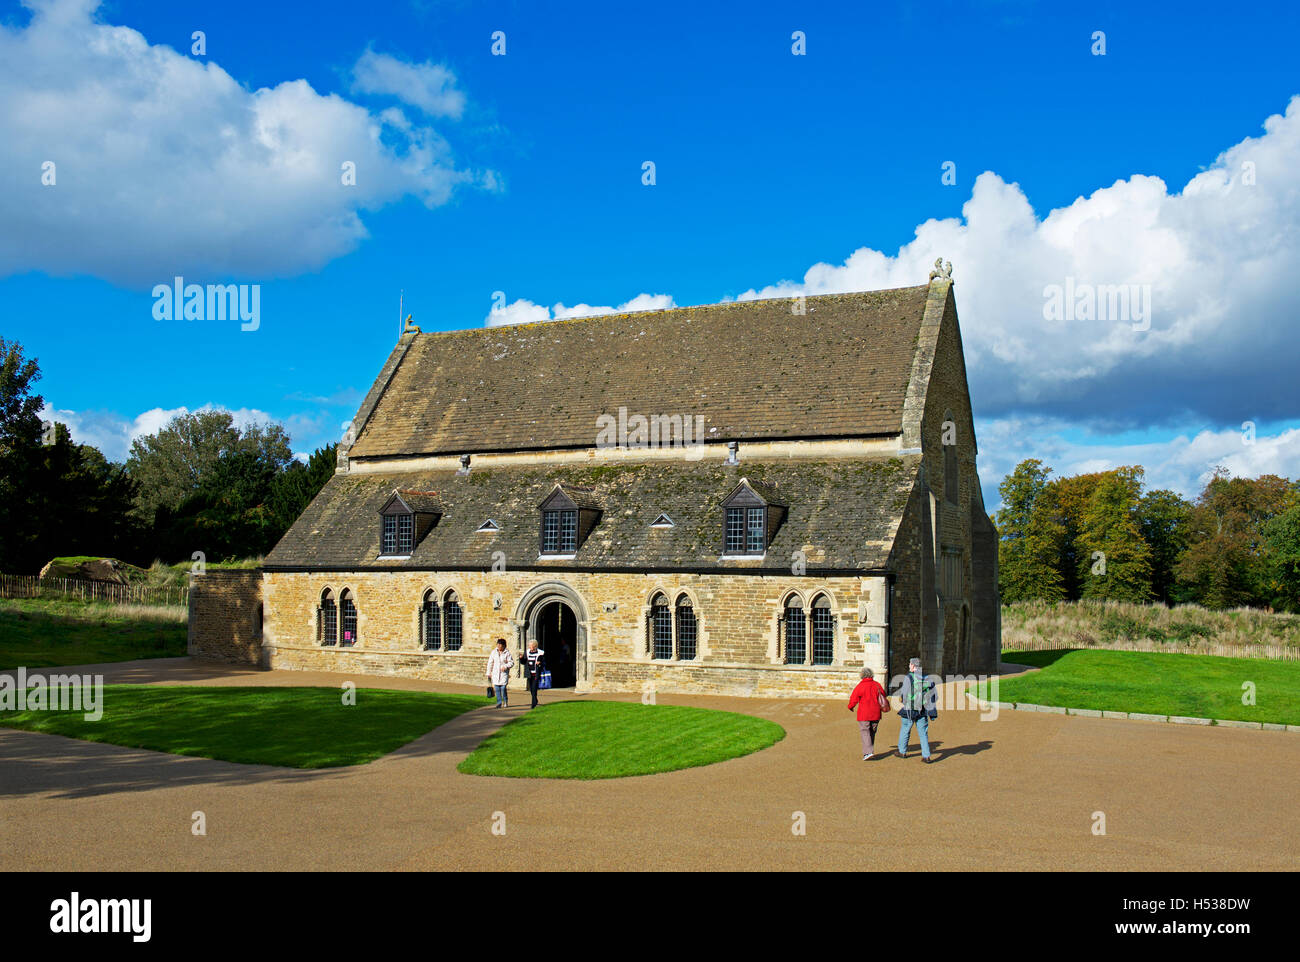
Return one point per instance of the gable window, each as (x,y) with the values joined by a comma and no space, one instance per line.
(751,517)
(451,621)
(405,518)
(348,620)
(568,514)
(430,623)
(327,619)
(559,532)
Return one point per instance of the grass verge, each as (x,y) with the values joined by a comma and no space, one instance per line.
(1199,686)
(292,727)
(42,633)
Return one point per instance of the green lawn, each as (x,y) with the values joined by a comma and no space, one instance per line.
(42,633)
(612,739)
(1199,686)
(294,727)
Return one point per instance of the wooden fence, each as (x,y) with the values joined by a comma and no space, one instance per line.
(1199,647)
(30,586)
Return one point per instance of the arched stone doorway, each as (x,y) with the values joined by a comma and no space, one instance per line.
(555,616)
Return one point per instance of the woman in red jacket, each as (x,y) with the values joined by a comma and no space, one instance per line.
(871,701)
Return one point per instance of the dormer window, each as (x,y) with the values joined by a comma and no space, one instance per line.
(405,519)
(751,516)
(568,515)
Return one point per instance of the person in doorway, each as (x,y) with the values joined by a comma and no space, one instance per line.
(500,661)
(917,696)
(534,665)
(870,700)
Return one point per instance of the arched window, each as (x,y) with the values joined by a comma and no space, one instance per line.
(430,623)
(823,631)
(347,620)
(661,628)
(327,619)
(796,627)
(685,629)
(451,621)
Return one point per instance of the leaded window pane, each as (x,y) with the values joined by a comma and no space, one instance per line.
(452,617)
(757,532)
(795,636)
(431,626)
(735,530)
(662,622)
(328,621)
(568,532)
(349,612)
(685,631)
(823,636)
(389,543)
(405,533)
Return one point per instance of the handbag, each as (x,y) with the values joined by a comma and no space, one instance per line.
(884,702)
(491,692)
(544,680)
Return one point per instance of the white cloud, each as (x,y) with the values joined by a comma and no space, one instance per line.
(165,164)
(1221,259)
(526,312)
(429,87)
(112,433)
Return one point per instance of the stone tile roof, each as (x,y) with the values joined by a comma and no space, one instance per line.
(843,513)
(750,369)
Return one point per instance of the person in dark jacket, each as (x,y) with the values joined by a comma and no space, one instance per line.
(918,698)
(534,663)
(870,700)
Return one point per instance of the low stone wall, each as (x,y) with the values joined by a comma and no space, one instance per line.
(225,621)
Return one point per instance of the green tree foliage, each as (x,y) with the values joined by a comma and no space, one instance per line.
(1032,536)
(1226,563)
(295,487)
(173,465)
(56,496)
(1114,560)
(1283,536)
(1163,517)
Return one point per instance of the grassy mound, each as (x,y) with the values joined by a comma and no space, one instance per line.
(41,633)
(611,739)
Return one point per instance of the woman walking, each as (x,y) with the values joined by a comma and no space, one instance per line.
(534,664)
(871,702)
(498,671)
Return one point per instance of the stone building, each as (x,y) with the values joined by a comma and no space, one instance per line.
(753,498)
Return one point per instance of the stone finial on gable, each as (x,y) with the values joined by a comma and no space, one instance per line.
(411,327)
(942,271)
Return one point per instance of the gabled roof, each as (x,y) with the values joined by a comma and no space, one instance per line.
(752,370)
(417,502)
(843,513)
(572,496)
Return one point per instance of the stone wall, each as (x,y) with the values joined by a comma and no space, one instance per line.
(225,616)
(737,627)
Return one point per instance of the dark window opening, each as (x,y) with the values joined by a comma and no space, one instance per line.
(685,629)
(452,622)
(796,651)
(823,632)
(348,620)
(661,627)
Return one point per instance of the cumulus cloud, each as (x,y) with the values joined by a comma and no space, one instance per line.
(112,433)
(429,87)
(164,164)
(1218,258)
(525,312)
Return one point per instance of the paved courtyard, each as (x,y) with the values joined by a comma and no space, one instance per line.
(1018,792)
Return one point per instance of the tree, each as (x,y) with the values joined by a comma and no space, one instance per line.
(1226,562)
(1283,538)
(20,439)
(298,484)
(1114,558)
(1163,518)
(1032,535)
(172,465)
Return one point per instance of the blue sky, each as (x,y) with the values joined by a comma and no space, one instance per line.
(523,174)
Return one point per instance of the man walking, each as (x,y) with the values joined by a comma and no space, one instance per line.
(918,697)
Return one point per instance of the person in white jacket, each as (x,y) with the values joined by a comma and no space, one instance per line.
(498,671)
